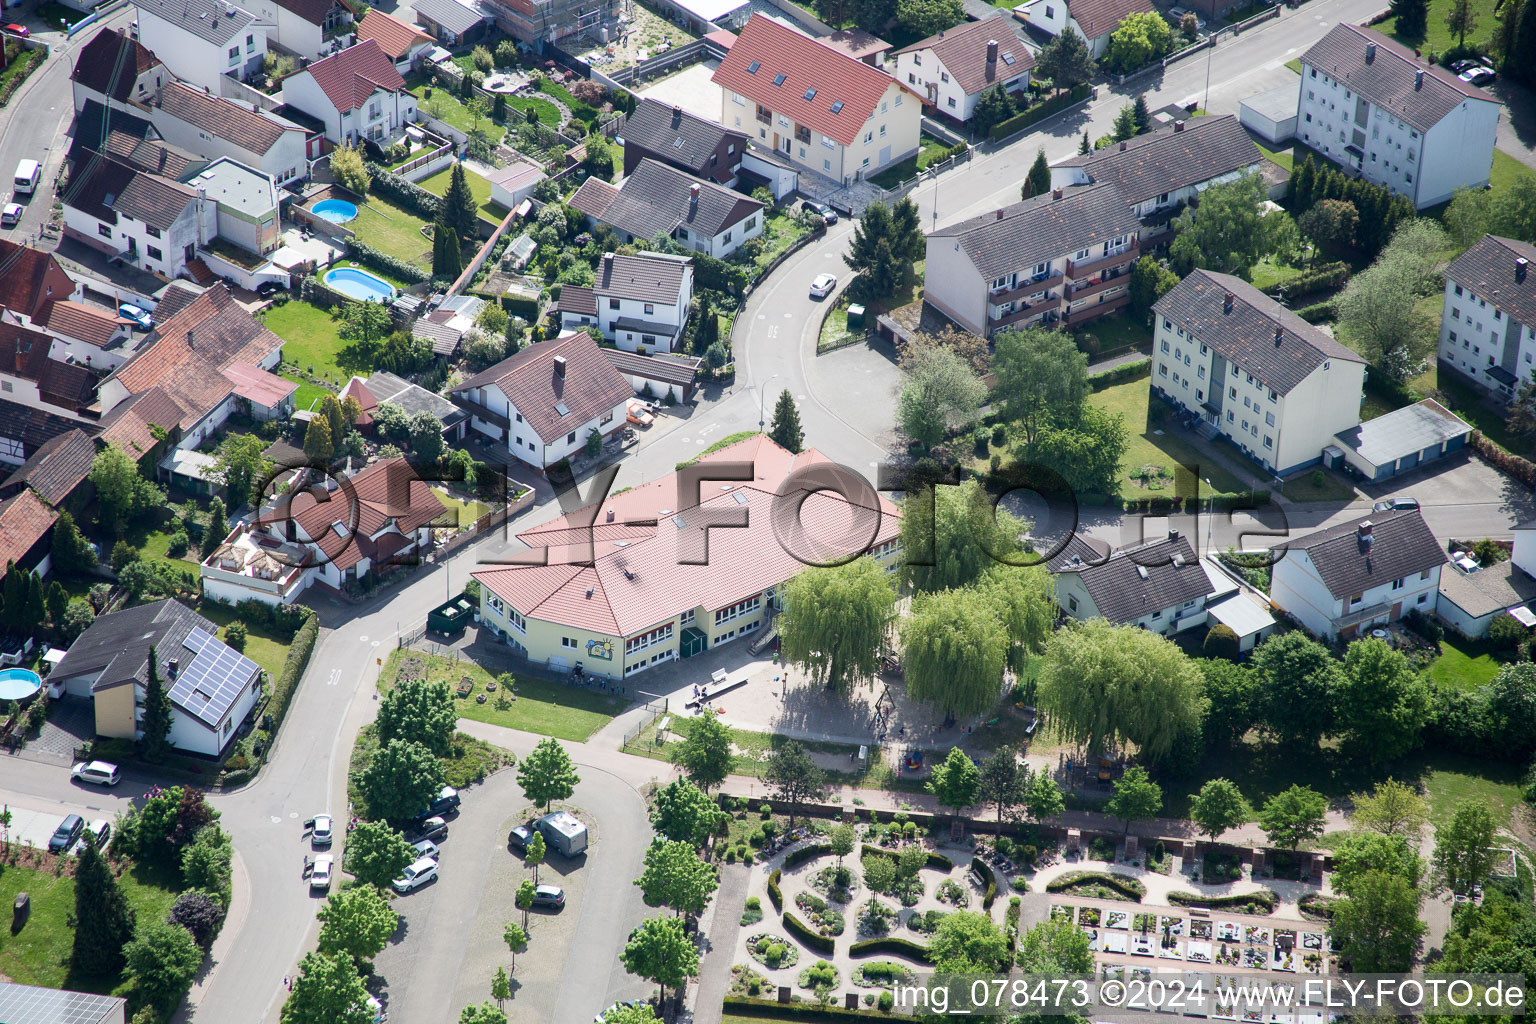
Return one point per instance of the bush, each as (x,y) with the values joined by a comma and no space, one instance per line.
(1501,459)
(775,896)
(1424,625)
(1319,312)
(1125,885)
(1120,374)
(1261,902)
(379,260)
(235,635)
(1505,632)
(900,947)
(808,852)
(1316,279)
(123,554)
(1039,112)
(1222,642)
(176,546)
(809,937)
(886,1001)
(406,193)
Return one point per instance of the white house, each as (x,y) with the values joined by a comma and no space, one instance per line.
(1161,585)
(246,204)
(639,302)
(543,402)
(403,44)
(1488,325)
(1342,581)
(952,69)
(115,69)
(356,94)
(201,41)
(309,28)
(212,126)
(659,199)
(1373,106)
(154,223)
(1094,20)
(1248,368)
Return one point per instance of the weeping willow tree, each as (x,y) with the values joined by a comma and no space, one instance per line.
(1024,601)
(1104,685)
(954,648)
(950,536)
(835,619)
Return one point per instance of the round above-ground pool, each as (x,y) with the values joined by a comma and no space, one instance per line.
(337,211)
(360,284)
(19,683)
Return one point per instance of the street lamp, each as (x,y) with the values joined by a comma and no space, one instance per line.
(762,398)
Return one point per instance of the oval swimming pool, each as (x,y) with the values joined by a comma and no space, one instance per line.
(360,284)
(19,683)
(337,211)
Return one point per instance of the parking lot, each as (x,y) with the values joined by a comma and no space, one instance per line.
(34,825)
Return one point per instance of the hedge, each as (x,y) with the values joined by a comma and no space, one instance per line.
(1123,884)
(1120,374)
(901,947)
(1317,906)
(406,193)
(739,1006)
(1264,897)
(1319,311)
(799,856)
(1503,460)
(775,894)
(1329,275)
(302,647)
(25,63)
(380,260)
(935,860)
(1040,111)
(984,869)
(816,941)
(523,306)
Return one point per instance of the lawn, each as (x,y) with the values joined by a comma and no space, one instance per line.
(261,645)
(1507,170)
(311,343)
(394,230)
(438,185)
(460,513)
(1453,780)
(1437,37)
(1464,664)
(545,111)
(154,546)
(1114,334)
(1267,272)
(1131,401)
(550,709)
(834,330)
(1319,485)
(445,106)
(1294,65)
(929,150)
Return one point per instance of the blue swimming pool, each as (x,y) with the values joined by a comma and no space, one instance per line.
(360,284)
(337,211)
(19,683)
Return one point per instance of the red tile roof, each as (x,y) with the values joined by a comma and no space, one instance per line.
(24,520)
(357,389)
(363,505)
(30,279)
(590,387)
(129,425)
(646,581)
(806,64)
(59,466)
(348,78)
(83,323)
(257,385)
(392,35)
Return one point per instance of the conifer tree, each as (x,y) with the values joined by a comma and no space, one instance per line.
(156,719)
(785,431)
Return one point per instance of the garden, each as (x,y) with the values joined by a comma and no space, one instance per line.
(1156,459)
(438,183)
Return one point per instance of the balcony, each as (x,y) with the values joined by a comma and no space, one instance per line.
(485,413)
(1088,267)
(1002,295)
(1082,316)
(764,116)
(1078,290)
(1028,311)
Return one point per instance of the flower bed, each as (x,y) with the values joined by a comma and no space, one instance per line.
(838,884)
(1317,907)
(773,951)
(1104,885)
(876,917)
(747,982)
(881,974)
(826,920)
(927,923)
(820,976)
(953,892)
(752,912)
(1259,903)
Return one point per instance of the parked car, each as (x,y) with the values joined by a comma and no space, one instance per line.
(1466,564)
(434,829)
(1457,67)
(599,1019)
(1478,76)
(138,314)
(320,874)
(323,833)
(17,30)
(1403,504)
(548,896)
(267,289)
(822,210)
(446,802)
(416,875)
(10,215)
(822,286)
(98,773)
(638,414)
(518,838)
(65,835)
(425,848)
(97,833)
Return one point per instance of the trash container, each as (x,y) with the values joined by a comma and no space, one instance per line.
(855,316)
(19,911)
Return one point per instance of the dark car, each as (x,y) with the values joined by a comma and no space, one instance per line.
(267,289)
(65,835)
(822,210)
(433,829)
(518,838)
(447,802)
(1461,65)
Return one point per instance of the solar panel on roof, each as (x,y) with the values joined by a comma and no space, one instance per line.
(214,678)
(25,1004)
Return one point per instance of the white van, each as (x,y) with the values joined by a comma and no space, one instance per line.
(28,174)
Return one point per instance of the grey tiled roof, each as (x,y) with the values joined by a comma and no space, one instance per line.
(1402,545)
(1140,581)
(206,19)
(963,52)
(1169,159)
(453,15)
(1488,268)
(663,369)
(1389,79)
(1246,335)
(254,131)
(1042,228)
(656,198)
(647,277)
(578,300)
(687,140)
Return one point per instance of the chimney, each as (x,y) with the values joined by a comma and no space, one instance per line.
(1173,534)
(991,51)
(172,667)
(1055,193)
(610,515)
(1178,126)
(677,114)
(1418,80)
(999,214)
(1226,304)
(1370,52)
(1364,529)
(1122,145)
(1279,335)
(1521,265)
(693,194)
(608,259)
(560,367)
(191,342)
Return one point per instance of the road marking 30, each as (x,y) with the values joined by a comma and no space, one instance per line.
(334,678)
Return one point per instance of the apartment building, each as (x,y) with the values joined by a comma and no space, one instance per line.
(1488,325)
(1372,105)
(1249,369)
(639,302)
(952,69)
(309,28)
(1062,257)
(814,104)
(201,41)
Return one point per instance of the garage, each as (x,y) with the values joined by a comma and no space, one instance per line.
(1399,441)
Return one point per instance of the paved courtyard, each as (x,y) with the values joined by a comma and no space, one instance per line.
(690,89)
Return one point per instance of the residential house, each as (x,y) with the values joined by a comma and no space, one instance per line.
(658,199)
(153,222)
(214,127)
(26,533)
(402,43)
(247,204)
(31,279)
(310,29)
(381,386)
(663,375)
(1245,367)
(1161,585)
(639,302)
(453,22)
(859,45)
(952,69)
(1342,581)
(57,472)
(686,141)
(645,594)
(1469,601)
(210,686)
(201,41)
(129,139)
(1488,323)
(357,94)
(28,1004)
(333,532)
(536,22)
(1061,257)
(543,402)
(1094,20)
(115,69)
(24,429)
(1375,107)
(86,335)
(30,376)
(814,104)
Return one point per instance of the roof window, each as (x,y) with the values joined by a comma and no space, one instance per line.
(752,68)
(810,94)
(778,79)
(1008,57)
(837,108)
(562,409)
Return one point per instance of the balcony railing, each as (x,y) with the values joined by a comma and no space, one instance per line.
(484,412)
(1027,311)
(1118,259)
(1078,290)
(1078,316)
(1029,287)
(764,116)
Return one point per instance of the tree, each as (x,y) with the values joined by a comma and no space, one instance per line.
(77,619)
(533,854)
(793,776)
(1230,231)
(206,861)
(635,1013)
(956,781)
(199,912)
(526,890)
(968,943)
(217,528)
(1376,321)
(547,774)
(1023,598)
(447,255)
(1038,181)
(1461,19)
(516,939)
(1066,61)
(72,553)
(910,859)
(1218,807)
(122,492)
(57,602)
(348,169)
(402,778)
(317,441)
(155,721)
(1464,854)
(887,242)
(485,1013)
(1412,17)
(367,322)
(1043,798)
(35,610)
(705,755)
(1358,853)
(1136,797)
(356,921)
(1042,379)
(953,652)
(834,621)
(785,430)
(952,536)
(328,990)
(1221,642)
(1002,782)
(241,467)
(1382,702)
(1298,681)
(1150,280)
(377,854)
(842,839)
(1140,37)
(879,872)
(993,106)
(163,959)
(1294,816)
(661,951)
(1330,224)
(1125,124)
(1509,710)
(1394,809)
(1105,685)
(1055,947)
(1084,145)
(1087,456)
(928,17)
(104,920)
(675,877)
(684,813)
(1142,113)
(330,408)
(1231,695)
(419,711)
(1377,925)
(458,209)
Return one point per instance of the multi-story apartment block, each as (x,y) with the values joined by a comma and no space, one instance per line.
(540,21)
(1063,257)
(201,41)
(1488,326)
(1375,107)
(1250,369)
(814,104)
(952,69)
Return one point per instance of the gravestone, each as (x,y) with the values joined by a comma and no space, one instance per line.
(851,1000)
(1074,841)
(783,993)
(1317,867)
(1258,860)
(1188,853)
(1132,847)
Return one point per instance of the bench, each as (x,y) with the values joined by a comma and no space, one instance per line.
(976,879)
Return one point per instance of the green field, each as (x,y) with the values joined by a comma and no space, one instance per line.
(1131,401)
(438,185)
(311,343)
(1437,37)
(1464,664)
(395,230)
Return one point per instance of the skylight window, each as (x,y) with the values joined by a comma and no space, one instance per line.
(340,528)
(778,79)
(1008,57)
(562,409)
(837,108)
(741,497)
(810,94)
(677,143)
(752,68)
(678,522)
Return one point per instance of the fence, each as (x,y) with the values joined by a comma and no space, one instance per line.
(661,64)
(654,708)
(933,170)
(1193,48)
(486,522)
